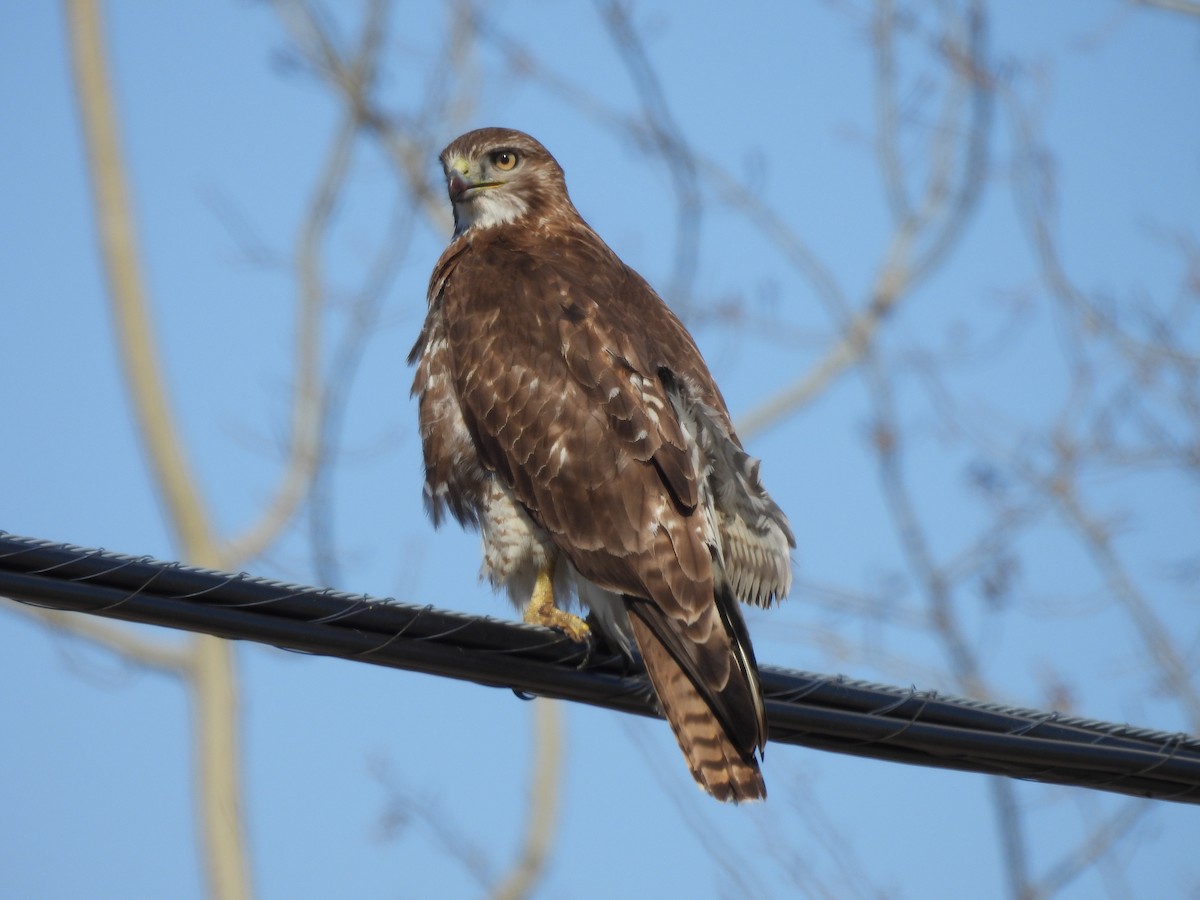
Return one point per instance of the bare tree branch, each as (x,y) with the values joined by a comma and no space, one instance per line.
(166,657)
(922,234)
(365,310)
(410,156)
(545,779)
(1095,846)
(130,306)
(669,142)
(1160,648)
(1187,7)
(211,667)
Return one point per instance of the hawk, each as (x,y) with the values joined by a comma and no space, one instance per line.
(567,414)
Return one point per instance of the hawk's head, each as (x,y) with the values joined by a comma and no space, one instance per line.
(496,176)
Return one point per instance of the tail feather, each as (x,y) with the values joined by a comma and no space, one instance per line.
(723,764)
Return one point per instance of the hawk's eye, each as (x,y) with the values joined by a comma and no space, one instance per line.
(505,160)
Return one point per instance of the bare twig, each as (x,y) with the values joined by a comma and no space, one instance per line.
(923,234)
(1187,7)
(410,156)
(130,306)
(942,614)
(1153,632)
(166,657)
(544,781)
(364,315)
(1096,845)
(308,397)
(887,118)
(667,138)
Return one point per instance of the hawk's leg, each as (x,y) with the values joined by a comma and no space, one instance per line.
(542,611)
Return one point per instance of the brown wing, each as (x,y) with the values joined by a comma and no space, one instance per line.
(454,475)
(560,361)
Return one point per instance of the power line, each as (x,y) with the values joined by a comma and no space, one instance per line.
(824,712)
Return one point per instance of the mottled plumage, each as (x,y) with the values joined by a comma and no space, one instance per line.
(567,413)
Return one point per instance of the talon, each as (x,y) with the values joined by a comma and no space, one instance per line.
(542,611)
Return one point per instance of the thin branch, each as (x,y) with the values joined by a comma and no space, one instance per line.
(949,201)
(1033,191)
(215,730)
(738,879)
(163,656)
(1154,634)
(668,139)
(942,612)
(217,754)
(343,370)
(825,841)
(1003,795)
(308,398)
(1098,844)
(924,234)
(729,189)
(115,226)
(308,403)
(845,353)
(887,132)
(544,787)
(1187,7)
(410,157)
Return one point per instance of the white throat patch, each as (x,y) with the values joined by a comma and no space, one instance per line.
(488,208)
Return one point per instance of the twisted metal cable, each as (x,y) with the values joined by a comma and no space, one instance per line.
(819,711)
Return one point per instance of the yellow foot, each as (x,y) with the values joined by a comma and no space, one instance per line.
(542,611)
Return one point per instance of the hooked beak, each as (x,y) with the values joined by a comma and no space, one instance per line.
(458,184)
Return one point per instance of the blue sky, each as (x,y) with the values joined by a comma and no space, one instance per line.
(224,138)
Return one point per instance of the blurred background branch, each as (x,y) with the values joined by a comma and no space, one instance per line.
(934,251)
(208,666)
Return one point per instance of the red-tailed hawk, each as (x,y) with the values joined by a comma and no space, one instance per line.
(567,414)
